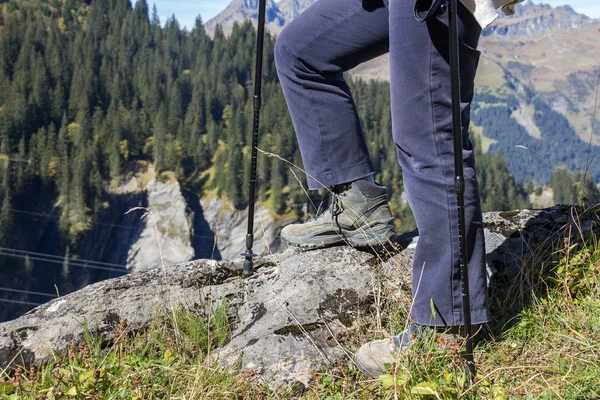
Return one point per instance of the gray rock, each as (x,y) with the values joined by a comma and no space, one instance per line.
(512,236)
(282,319)
(240,10)
(60,323)
(537,19)
(286,322)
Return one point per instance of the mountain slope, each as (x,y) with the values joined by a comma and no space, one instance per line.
(554,53)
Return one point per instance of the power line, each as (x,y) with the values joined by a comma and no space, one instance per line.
(61,258)
(44,215)
(61,262)
(28,292)
(20,302)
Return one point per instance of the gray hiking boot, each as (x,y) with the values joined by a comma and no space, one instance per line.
(359,215)
(372,357)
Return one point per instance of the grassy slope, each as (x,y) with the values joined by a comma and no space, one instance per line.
(544,343)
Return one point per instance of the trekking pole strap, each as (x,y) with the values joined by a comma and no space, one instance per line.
(426,10)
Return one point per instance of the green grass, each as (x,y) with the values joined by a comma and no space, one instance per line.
(544,344)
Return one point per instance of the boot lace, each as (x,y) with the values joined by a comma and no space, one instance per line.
(336,207)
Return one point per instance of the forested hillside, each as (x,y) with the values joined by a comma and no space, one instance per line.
(533,158)
(90,92)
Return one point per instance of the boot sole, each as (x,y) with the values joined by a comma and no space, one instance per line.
(376,233)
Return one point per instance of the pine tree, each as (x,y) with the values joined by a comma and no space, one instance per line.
(28,268)
(6,221)
(563,187)
(160,139)
(65,265)
(276,186)
(586,191)
(21,166)
(64,174)
(155,18)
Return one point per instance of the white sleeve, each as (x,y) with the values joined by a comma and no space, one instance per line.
(507,6)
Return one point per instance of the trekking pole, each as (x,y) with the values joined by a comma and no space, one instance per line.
(248,263)
(459,183)
(426,10)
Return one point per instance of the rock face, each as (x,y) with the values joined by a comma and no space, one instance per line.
(165,235)
(285,319)
(513,236)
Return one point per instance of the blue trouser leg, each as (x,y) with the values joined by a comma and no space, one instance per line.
(422,128)
(312,53)
(333,36)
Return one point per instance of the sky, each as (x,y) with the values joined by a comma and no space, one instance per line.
(186,10)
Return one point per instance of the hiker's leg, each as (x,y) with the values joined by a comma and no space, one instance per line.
(312,53)
(422,126)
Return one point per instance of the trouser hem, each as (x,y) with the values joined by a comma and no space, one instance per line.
(424,317)
(328,179)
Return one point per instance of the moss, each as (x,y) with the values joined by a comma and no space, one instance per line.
(509,214)
(298,330)
(268,264)
(167,176)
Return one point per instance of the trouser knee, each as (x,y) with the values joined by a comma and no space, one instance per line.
(284,56)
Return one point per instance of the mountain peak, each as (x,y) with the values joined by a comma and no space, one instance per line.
(532,19)
(278,14)
(240,10)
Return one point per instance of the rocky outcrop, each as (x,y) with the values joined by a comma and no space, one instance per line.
(285,321)
(282,320)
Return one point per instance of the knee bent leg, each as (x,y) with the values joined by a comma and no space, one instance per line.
(283,50)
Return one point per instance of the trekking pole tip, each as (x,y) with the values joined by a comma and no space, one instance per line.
(248,268)
(248,263)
